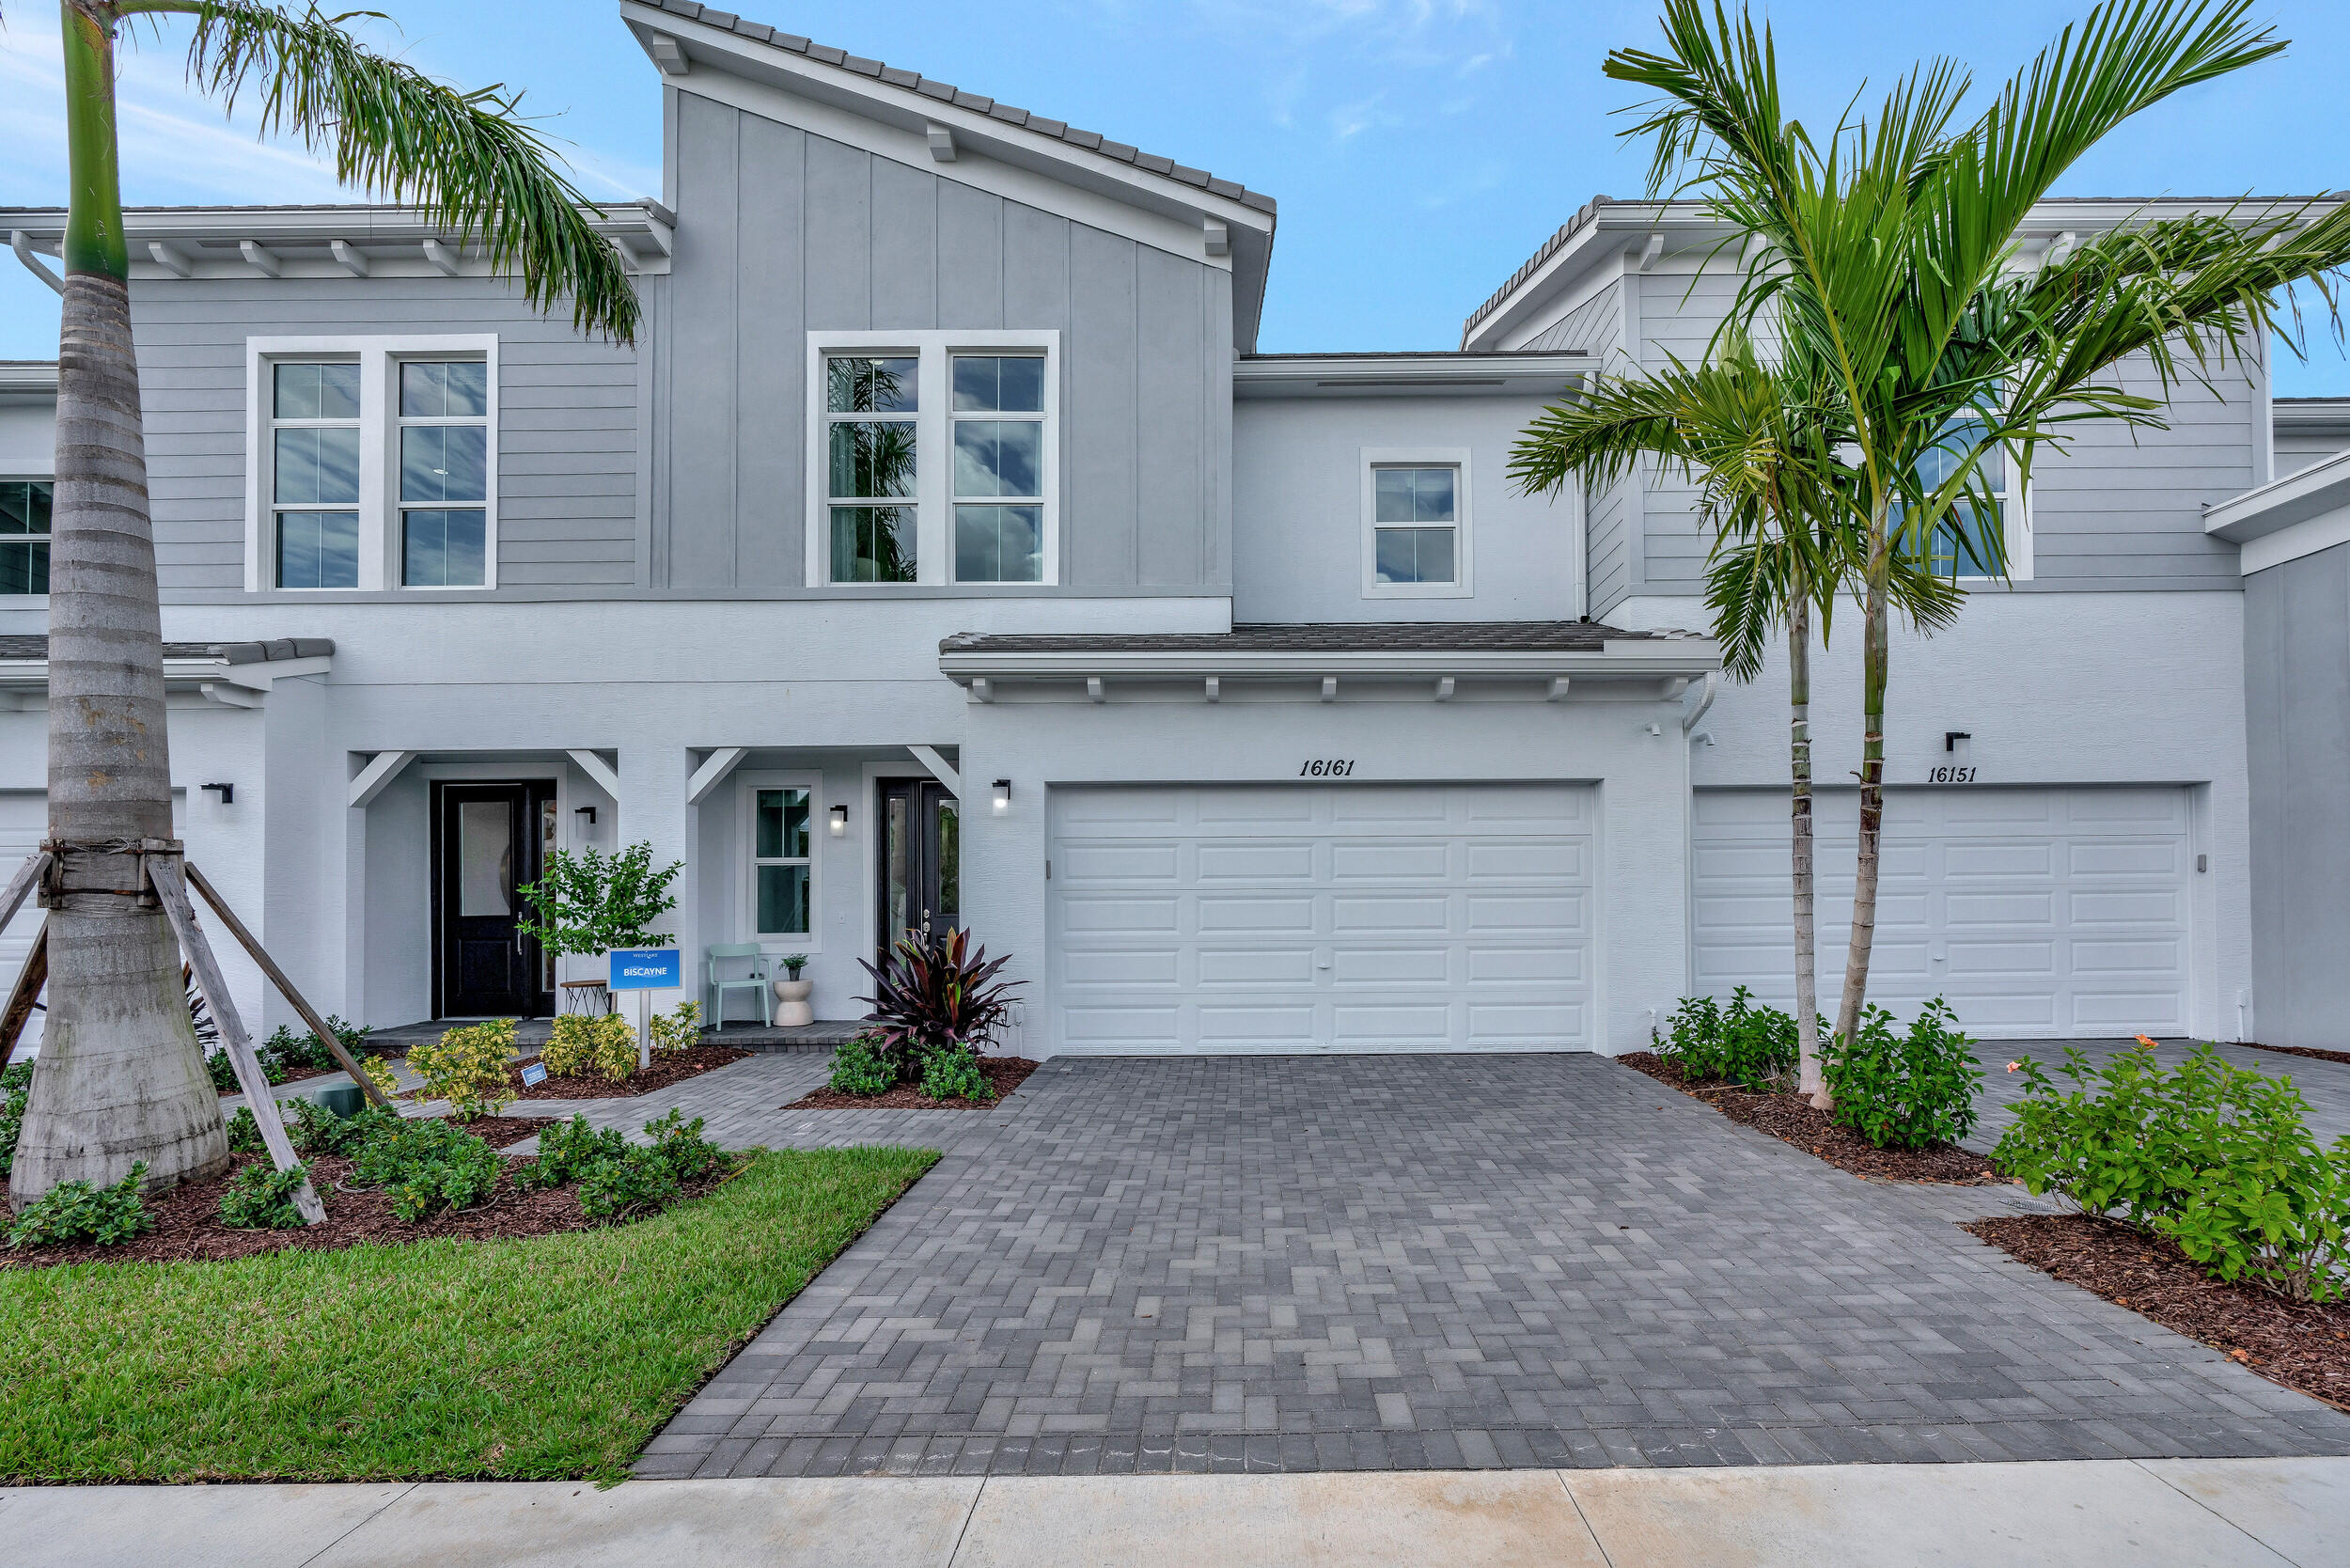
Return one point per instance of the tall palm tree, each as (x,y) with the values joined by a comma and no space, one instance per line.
(1757,440)
(1892,256)
(120,1079)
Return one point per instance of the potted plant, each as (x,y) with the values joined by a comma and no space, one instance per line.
(588,903)
(792,1005)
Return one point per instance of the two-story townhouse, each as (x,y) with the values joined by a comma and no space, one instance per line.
(945,549)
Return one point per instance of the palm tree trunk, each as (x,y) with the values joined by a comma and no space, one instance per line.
(120,1079)
(1876,651)
(1809,1081)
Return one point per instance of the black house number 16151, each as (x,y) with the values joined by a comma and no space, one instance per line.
(1326,767)
(1949,776)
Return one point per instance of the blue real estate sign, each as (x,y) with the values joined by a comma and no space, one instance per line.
(647,969)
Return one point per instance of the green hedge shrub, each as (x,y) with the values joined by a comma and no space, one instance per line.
(639,1181)
(2216,1158)
(16,1088)
(428,1166)
(604,1043)
(1903,1090)
(864,1066)
(689,1156)
(78,1212)
(467,1068)
(953,1072)
(1745,1043)
(566,1151)
(261,1197)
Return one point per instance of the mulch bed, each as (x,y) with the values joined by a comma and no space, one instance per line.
(2319,1052)
(294,1076)
(2303,1346)
(1794,1120)
(499,1131)
(668,1067)
(188,1227)
(1005,1073)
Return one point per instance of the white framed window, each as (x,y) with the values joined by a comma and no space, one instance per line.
(934,458)
(1963,546)
(1416,523)
(24,521)
(371,462)
(781,812)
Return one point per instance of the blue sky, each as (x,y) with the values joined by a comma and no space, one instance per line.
(1419,148)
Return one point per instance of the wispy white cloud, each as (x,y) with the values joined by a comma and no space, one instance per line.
(1317,57)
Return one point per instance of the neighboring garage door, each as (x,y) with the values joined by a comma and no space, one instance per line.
(1341,918)
(2035,912)
(24,823)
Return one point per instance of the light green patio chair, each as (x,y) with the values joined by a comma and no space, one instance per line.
(714,988)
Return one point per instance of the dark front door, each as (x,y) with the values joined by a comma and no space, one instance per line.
(921,843)
(487,839)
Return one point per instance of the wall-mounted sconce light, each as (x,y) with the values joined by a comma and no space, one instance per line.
(586,812)
(1003,796)
(1952,737)
(840,822)
(228,792)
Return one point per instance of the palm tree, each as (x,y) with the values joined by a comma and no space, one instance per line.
(120,1079)
(1891,257)
(1757,440)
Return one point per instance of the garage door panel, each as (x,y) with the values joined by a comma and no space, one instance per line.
(2052,910)
(1255,967)
(1322,916)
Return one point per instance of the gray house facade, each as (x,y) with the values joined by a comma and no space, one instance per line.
(945,550)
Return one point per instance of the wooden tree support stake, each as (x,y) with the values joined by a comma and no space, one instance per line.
(24,994)
(171,890)
(246,940)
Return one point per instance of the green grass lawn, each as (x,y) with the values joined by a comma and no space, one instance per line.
(552,1357)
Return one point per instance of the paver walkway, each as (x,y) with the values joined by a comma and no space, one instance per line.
(1367,1262)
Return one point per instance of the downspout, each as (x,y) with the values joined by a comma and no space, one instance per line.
(1689,831)
(1705,700)
(22,244)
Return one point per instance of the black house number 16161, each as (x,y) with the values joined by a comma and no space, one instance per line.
(1326,767)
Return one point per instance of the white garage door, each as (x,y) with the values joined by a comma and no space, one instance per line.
(24,823)
(1342,918)
(2035,912)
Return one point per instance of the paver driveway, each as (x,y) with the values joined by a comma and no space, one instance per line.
(1397,1262)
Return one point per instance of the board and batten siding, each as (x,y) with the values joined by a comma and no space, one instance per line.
(2115,509)
(783,232)
(1597,327)
(568,434)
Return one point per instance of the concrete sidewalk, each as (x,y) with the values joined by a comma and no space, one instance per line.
(2146,1514)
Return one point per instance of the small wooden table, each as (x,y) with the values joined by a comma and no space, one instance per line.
(586,995)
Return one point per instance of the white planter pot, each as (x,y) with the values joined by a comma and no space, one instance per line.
(792,1002)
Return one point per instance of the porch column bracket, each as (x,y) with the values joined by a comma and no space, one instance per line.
(927,756)
(381,769)
(707,778)
(602,773)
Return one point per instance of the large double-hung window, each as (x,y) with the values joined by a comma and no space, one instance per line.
(935,459)
(1986,535)
(373,464)
(24,520)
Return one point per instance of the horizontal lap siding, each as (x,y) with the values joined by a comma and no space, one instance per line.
(566,429)
(783,233)
(2113,509)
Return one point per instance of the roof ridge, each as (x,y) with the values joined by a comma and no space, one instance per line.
(947,92)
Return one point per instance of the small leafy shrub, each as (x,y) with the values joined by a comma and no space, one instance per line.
(678,1029)
(467,1068)
(567,1149)
(863,1067)
(293,1052)
(2216,1158)
(245,1134)
(793,964)
(261,1197)
(691,1157)
(1746,1044)
(428,1166)
(16,1088)
(639,1181)
(1904,1091)
(954,1074)
(78,1212)
(313,1129)
(604,1043)
(938,990)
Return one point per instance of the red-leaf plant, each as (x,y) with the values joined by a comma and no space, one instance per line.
(936,994)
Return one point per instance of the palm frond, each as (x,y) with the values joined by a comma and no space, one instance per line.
(466,159)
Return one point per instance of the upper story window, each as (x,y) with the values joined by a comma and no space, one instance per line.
(374,464)
(24,506)
(935,459)
(1974,540)
(1416,523)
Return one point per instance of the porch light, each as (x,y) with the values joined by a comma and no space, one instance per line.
(1003,796)
(840,822)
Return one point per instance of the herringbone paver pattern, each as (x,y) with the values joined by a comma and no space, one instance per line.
(1401,1261)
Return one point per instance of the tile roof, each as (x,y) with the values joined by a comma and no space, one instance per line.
(36,647)
(946,92)
(1370,636)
